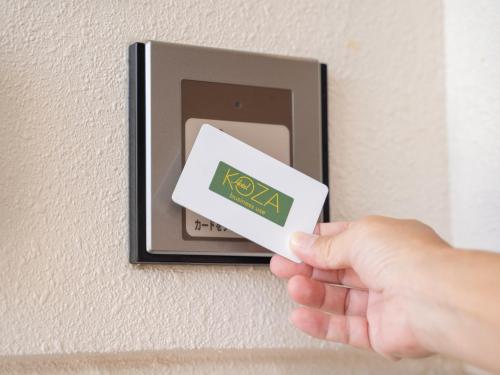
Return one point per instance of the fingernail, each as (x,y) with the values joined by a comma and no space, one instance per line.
(301,242)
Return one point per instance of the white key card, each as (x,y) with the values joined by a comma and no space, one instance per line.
(248,192)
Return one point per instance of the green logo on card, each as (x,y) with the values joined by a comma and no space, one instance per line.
(250,193)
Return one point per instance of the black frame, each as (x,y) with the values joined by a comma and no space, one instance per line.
(137,172)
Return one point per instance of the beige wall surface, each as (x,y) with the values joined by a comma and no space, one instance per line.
(66,285)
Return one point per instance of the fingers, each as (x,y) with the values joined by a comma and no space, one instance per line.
(345,329)
(324,251)
(337,300)
(285,269)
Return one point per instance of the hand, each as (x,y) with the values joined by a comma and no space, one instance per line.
(381,259)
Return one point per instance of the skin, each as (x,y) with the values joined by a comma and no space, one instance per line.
(412,295)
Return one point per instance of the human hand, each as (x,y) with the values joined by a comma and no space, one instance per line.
(382,260)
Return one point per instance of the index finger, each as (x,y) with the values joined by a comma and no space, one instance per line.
(286,269)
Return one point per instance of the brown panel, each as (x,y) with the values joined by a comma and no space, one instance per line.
(232,102)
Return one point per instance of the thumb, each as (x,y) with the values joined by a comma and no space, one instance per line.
(325,252)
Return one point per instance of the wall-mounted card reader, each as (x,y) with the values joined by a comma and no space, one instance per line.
(276,104)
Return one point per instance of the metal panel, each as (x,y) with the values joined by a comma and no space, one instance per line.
(173,71)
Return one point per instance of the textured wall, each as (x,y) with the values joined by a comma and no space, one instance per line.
(473,97)
(66,284)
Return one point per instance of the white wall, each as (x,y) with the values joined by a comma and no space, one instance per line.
(66,285)
(473,103)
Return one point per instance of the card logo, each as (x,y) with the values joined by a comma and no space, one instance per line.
(251,193)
